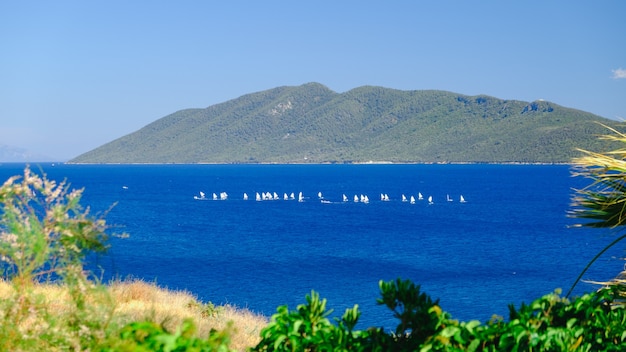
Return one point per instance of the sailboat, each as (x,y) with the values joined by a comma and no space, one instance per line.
(319,195)
(412,200)
(345,199)
(462,200)
(403,198)
(419,196)
(292,196)
(214,196)
(245,196)
(258,197)
(300,197)
(356,198)
(430,200)
(202,196)
(285,196)
(448,198)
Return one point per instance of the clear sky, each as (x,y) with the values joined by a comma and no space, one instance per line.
(77,74)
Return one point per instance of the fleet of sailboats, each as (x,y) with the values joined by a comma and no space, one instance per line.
(358,198)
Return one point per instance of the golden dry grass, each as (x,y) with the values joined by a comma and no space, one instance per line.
(136,300)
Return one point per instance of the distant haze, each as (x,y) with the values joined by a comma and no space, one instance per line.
(12,154)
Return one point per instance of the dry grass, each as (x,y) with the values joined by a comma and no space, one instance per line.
(136,300)
(139,300)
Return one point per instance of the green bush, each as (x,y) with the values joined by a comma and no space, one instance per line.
(592,322)
(147,336)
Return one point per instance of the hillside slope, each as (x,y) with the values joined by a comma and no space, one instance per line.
(312,124)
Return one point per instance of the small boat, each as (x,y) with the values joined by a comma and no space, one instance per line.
(448,198)
(258,197)
(403,198)
(202,196)
(344,198)
(462,199)
(214,196)
(245,196)
(292,196)
(275,196)
(285,196)
(419,196)
(356,198)
(319,195)
(386,198)
(412,200)
(430,200)
(223,196)
(366,199)
(300,197)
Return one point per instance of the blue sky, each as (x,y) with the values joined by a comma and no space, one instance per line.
(77,74)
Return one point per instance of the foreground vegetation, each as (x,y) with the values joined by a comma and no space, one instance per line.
(49,303)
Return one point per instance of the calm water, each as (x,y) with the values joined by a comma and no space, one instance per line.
(509,243)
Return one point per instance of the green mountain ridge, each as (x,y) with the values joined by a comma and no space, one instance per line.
(313,124)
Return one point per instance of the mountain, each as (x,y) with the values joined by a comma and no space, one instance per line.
(313,124)
(11,154)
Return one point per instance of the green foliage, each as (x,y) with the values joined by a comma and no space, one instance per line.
(311,123)
(45,235)
(147,336)
(44,231)
(309,329)
(592,322)
(206,309)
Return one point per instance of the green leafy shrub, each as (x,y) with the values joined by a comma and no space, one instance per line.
(147,336)
(592,322)
(45,235)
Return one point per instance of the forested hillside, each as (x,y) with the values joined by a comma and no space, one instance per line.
(312,124)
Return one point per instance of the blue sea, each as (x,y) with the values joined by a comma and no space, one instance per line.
(510,242)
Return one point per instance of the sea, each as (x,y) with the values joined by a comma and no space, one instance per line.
(509,243)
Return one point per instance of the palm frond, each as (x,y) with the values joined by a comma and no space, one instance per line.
(604,200)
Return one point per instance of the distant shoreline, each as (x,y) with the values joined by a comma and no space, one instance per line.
(334,163)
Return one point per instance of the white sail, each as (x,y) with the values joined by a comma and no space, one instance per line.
(448,198)
(300,197)
(430,200)
(292,196)
(356,198)
(345,199)
(419,196)
(258,197)
(366,199)
(319,195)
(275,196)
(386,198)
(245,196)
(223,196)
(462,199)
(412,200)
(403,198)
(285,196)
